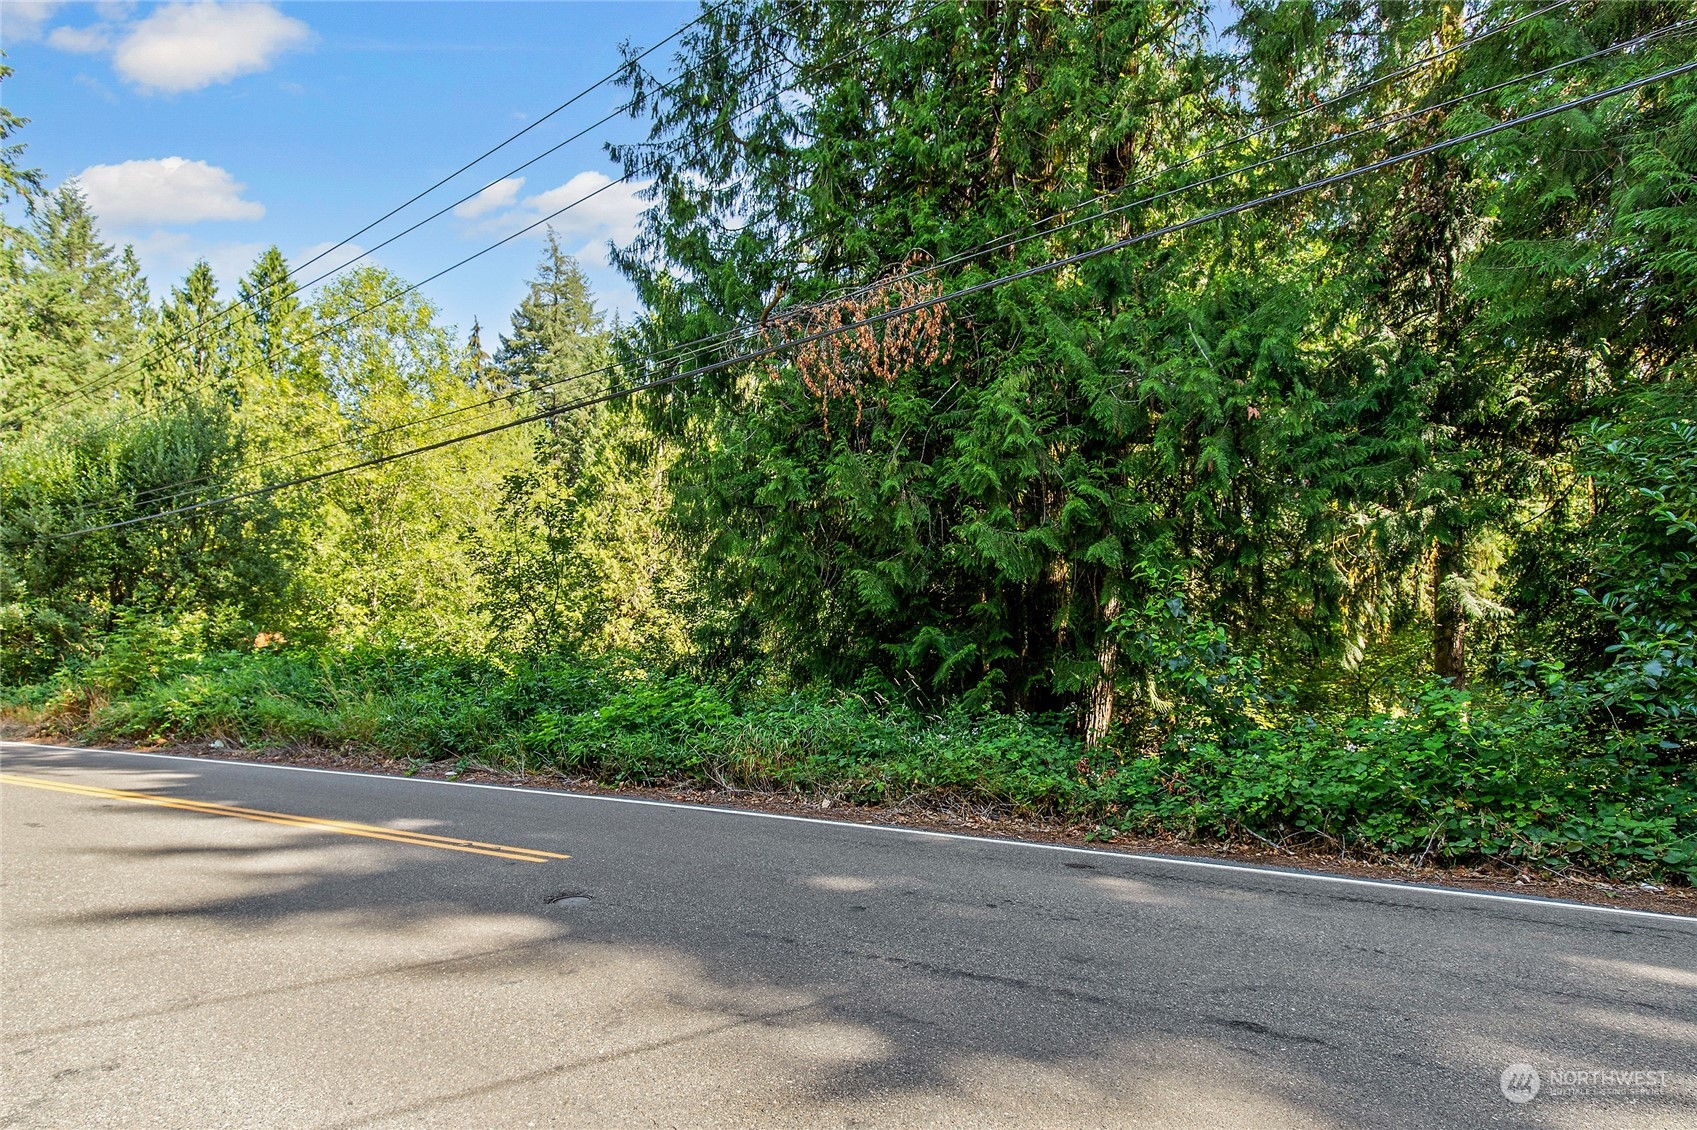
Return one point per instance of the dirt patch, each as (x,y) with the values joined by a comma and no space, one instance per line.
(17,730)
(952,813)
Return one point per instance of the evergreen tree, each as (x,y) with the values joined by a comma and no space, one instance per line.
(1515,287)
(477,358)
(17,184)
(197,348)
(557,334)
(975,516)
(276,323)
(15,179)
(579,557)
(1313,423)
(74,314)
(285,399)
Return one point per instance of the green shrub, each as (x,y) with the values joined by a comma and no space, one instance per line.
(1450,780)
(1522,776)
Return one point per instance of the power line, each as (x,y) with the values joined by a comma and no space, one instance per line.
(1011,240)
(1008,242)
(1002,242)
(927,303)
(413,287)
(248,313)
(389,299)
(600,82)
(110,379)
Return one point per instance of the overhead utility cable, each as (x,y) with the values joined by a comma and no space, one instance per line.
(1002,243)
(109,379)
(927,303)
(413,287)
(396,296)
(1016,239)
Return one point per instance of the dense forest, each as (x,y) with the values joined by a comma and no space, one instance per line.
(1273,422)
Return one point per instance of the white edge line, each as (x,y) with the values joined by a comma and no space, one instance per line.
(1175,860)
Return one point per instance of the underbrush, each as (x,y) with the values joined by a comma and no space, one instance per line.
(1519,780)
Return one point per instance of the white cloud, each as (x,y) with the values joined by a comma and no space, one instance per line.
(189,46)
(501,194)
(598,209)
(326,258)
(166,257)
(21,21)
(81,40)
(168,190)
(610,212)
(94,86)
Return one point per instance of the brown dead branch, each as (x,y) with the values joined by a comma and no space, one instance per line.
(855,357)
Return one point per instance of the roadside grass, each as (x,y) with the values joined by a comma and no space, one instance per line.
(1443,780)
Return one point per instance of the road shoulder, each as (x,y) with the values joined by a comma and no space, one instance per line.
(957,816)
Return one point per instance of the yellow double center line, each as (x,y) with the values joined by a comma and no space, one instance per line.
(312,823)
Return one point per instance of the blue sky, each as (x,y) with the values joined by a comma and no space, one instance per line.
(215,129)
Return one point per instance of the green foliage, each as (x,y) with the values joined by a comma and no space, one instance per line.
(1444,777)
(196,348)
(61,588)
(145,649)
(71,309)
(15,178)
(389,557)
(1185,674)
(961,522)
(1644,466)
(277,326)
(1333,416)
(558,340)
(216,401)
(1236,530)
(1520,781)
(577,557)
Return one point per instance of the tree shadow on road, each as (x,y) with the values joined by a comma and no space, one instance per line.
(821,974)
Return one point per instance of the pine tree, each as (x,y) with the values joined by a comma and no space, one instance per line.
(1513,287)
(197,348)
(973,518)
(477,358)
(276,365)
(76,312)
(23,184)
(15,179)
(579,557)
(1314,423)
(275,321)
(557,335)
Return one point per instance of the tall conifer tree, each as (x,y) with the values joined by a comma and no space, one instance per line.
(557,333)
(76,312)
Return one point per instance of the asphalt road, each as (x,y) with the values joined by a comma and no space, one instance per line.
(181,964)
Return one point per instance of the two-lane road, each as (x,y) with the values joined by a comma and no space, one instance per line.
(194,943)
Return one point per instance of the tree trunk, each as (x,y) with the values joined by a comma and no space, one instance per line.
(1099,702)
(1449,626)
